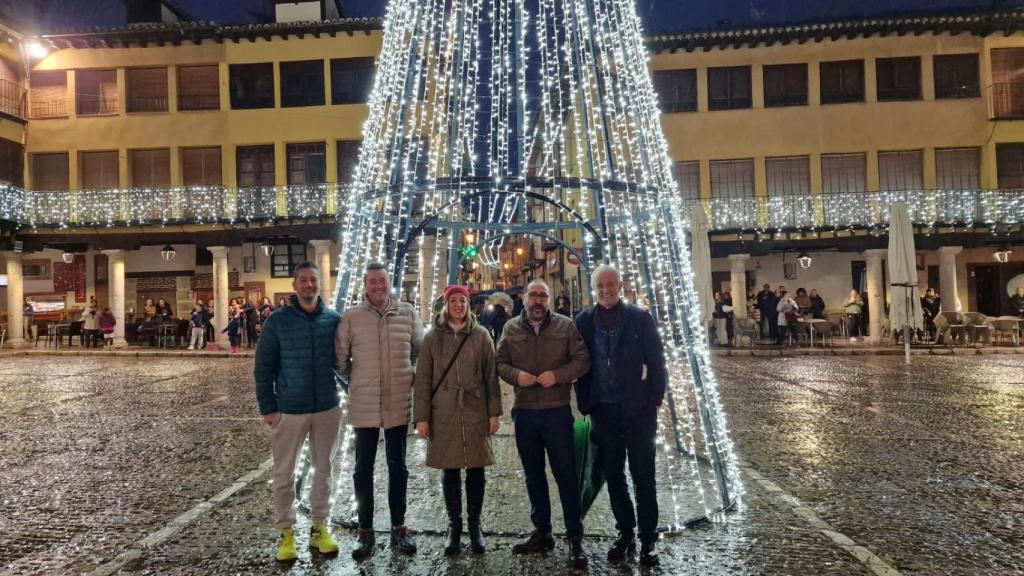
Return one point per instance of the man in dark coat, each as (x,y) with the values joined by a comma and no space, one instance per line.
(298,398)
(622,393)
(767,301)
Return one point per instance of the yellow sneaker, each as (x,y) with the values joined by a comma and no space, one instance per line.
(321,539)
(286,552)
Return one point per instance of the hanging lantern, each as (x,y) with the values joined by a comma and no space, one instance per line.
(168,253)
(1003,254)
(805,260)
(67,257)
(268,249)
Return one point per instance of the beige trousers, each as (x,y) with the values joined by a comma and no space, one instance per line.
(287,434)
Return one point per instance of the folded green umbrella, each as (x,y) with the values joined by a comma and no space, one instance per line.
(588,472)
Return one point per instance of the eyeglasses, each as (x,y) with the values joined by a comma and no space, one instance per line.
(538,296)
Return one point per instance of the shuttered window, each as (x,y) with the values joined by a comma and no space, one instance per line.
(677,90)
(150,168)
(901,170)
(307,163)
(785,85)
(788,175)
(252,86)
(732,178)
(351,80)
(302,83)
(1008,83)
(898,78)
(255,165)
(201,166)
(199,87)
(96,92)
(348,160)
(687,175)
(956,76)
(842,81)
(958,168)
(1010,165)
(729,88)
(50,171)
(147,89)
(99,170)
(841,173)
(49,94)
(12,163)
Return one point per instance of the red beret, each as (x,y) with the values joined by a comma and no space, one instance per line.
(455,289)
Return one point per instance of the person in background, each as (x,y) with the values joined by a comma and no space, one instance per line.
(29,312)
(234,330)
(563,306)
(1017,302)
(787,311)
(198,324)
(517,305)
(803,301)
(266,309)
(852,308)
(107,323)
(91,326)
(281,303)
(817,305)
(718,317)
(501,307)
(149,309)
(931,305)
(252,318)
(767,302)
(728,308)
(163,310)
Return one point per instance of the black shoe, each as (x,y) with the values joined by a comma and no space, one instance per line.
(577,559)
(453,542)
(402,539)
(476,537)
(365,541)
(537,542)
(624,547)
(649,554)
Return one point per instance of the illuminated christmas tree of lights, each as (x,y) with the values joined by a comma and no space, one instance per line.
(496,119)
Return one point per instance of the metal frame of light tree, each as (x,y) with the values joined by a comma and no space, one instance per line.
(484,125)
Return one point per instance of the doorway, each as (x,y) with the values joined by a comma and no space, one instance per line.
(987,293)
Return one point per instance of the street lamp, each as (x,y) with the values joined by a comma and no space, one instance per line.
(36,50)
(1003,254)
(67,257)
(268,249)
(168,253)
(805,260)
(470,238)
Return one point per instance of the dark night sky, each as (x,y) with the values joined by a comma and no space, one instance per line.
(658,15)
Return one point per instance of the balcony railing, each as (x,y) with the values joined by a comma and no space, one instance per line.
(209,204)
(49,108)
(12,98)
(1006,101)
(864,209)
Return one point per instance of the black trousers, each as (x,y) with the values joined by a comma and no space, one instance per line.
(550,430)
(617,438)
(451,487)
(398,475)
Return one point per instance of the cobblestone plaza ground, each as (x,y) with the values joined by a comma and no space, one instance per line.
(851,465)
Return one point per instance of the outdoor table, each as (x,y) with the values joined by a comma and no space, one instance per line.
(810,324)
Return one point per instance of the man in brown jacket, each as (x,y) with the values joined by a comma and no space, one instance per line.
(541,354)
(376,346)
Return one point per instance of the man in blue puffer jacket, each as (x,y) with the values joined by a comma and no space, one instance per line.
(298,397)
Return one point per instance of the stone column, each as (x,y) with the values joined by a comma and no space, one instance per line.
(220,292)
(15,300)
(115,279)
(947,278)
(876,294)
(322,257)
(738,279)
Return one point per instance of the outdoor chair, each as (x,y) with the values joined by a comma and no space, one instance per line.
(978,327)
(1006,327)
(745,327)
(166,334)
(952,326)
(825,330)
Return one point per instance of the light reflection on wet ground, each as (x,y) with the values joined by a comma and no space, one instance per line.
(920,466)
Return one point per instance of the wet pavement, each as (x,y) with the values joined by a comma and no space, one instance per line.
(851,465)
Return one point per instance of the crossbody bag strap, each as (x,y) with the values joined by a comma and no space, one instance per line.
(436,387)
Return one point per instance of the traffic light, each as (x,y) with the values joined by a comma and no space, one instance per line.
(470,252)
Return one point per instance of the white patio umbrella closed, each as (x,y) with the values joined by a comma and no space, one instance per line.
(905,306)
(701,254)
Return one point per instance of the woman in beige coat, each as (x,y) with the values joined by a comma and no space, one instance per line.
(458,411)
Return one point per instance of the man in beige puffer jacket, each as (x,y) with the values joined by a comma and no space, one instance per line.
(376,345)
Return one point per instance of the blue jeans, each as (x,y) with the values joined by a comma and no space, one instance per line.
(617,437)
(398,475)
(549,430)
